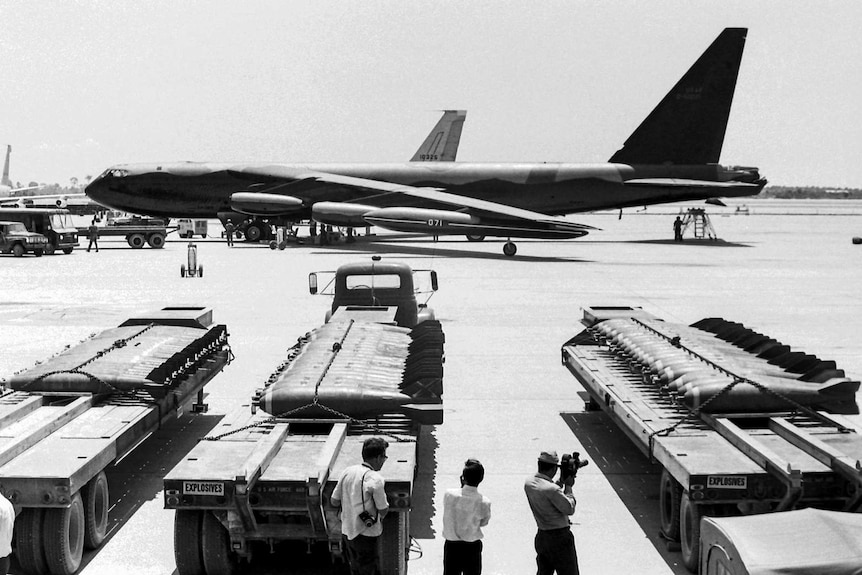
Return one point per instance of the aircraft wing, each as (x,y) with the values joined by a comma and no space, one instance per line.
(682,183)
(469,216)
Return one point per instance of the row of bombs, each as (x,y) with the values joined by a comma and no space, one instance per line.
(693,382)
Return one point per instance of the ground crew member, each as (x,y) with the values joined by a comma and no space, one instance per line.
(363,504)
(677,230)
(465,512)
(93,235)
(552,504)
(7,523)
(228,228)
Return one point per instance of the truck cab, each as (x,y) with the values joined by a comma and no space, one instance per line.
(53,223)
(15,239)
(377,286)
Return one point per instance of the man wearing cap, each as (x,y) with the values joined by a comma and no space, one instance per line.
(552,504)
(465,512)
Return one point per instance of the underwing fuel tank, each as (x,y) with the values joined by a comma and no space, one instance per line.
(447,222)
(340,213)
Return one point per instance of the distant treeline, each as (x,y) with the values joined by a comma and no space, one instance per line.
(810,193)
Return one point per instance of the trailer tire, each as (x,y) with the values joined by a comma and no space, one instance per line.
(215,545)
(137,241)
(689,528)
(187,542)
(156,241)
(670,493)
(29,540)
(96,505)
(253,232)
(392,545)
(64,544)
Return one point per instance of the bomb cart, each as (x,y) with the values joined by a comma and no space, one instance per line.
(740,422)
(64,421)
(373,369)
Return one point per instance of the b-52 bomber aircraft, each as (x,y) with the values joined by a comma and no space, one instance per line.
(672,156)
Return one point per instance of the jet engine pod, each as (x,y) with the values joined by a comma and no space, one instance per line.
(262,204)
(422,220)
(340,213)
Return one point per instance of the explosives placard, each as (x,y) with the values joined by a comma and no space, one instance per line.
(727,482)
(203,488)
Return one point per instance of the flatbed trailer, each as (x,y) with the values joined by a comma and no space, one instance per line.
(369,371)
(63,422)
(136,235)
(716,464)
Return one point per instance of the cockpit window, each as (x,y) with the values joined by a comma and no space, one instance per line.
(114,173)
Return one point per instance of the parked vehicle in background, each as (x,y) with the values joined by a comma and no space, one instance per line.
(188,228)
(53,223)
(15,239)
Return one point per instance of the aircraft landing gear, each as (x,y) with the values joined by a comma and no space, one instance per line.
(509,248)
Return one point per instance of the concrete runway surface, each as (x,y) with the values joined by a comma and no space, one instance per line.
(796,278)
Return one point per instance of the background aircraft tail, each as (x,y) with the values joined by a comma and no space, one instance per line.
(441,145)
(6,181)
(688,126)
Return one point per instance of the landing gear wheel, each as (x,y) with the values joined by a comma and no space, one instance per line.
(96,504)
(30,540)
(253,232)
(64,544)
(215,544)
(156,241)
(187,542)
(689,528)
(510,249)
(137,241)
(475,237)
(669,495)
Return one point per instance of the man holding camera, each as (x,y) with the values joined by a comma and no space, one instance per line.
(363,504)
(552,504)
(465,512)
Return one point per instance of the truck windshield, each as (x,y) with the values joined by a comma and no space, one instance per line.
(16,228)
(60,221)
(367,281)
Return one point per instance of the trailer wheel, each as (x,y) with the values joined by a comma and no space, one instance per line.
(29,540)
(253,232)
(392,545)
(156,241)
(64,544)
(215,544)
(689,527)
(136,240)
(670,493)
(96,504)
(187,542)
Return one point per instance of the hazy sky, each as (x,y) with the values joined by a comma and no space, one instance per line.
(91,83)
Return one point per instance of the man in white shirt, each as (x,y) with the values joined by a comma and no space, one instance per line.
(465,512)
(361,496)
(7,523)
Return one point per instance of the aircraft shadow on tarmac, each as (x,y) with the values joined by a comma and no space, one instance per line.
(719,243)
(437,249)
(139,477)
(633,477)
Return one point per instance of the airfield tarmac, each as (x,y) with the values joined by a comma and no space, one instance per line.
(796,278)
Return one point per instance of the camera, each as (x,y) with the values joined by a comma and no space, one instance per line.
(569,465)
(367,519)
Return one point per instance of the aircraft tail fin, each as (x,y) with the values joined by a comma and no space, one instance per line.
(6,181)
(688,125)
(441,145)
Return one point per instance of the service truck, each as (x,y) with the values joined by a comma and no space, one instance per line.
(739,422)
(374,368)
(137,230)
(64,421)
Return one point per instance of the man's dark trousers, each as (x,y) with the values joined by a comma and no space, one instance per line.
(555,551)
(362,555)
(462,558)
